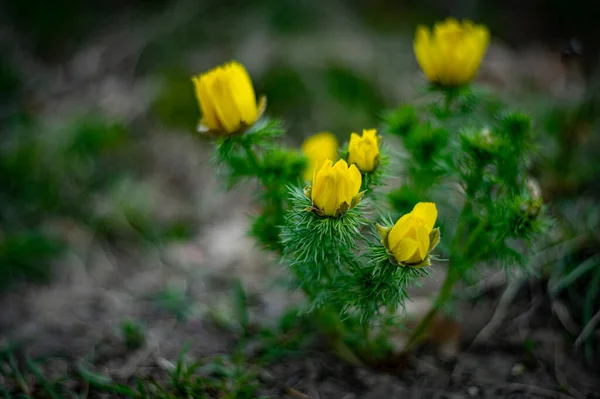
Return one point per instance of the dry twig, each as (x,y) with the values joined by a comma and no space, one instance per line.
(588,329)
(562,313)
(532,389)
(268,378)
(558,366)
(507,297)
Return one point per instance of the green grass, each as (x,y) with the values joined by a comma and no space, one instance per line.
(226,376)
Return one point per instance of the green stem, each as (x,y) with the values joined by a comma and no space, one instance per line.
(464,254)
(347,354)
(273,206)
(366,333)
(420,332)
(449,97)
(253,160)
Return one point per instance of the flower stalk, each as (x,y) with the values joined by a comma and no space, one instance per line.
(420,333)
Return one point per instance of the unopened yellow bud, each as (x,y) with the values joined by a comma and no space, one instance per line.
(364,150)
(335,188)
(413,236)
(227,100)
(450,55)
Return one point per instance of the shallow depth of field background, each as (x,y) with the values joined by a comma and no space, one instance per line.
(112,213)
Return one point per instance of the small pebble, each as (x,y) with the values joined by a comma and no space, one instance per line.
(165,364)
(518,369)
(473,391)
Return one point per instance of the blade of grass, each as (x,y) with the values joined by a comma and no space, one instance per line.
(588,310)
(176,376)
(241,302)
(588,329)
(141,389)
(37,373)
(105,384)
(575,274)
(5,393)
(18,376)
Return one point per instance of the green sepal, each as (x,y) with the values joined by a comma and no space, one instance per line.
(308,192)
(356,200)
(342,209)
(434,238)
(376,162)
(384,232)
(426,262)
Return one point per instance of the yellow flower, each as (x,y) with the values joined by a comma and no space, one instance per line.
(335,188)
(227,99)
(364,151)
(317,149)
(413,236)
(450,55)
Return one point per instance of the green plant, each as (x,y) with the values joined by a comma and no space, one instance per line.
(133,334)
(467,153)
(465,142)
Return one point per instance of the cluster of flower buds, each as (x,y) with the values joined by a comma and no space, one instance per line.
(449,55)
(335,187)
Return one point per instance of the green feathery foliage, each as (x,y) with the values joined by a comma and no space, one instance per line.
(473,144)
(466,154)
(255,155)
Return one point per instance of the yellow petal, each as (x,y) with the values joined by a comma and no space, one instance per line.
(207,108)
(243,92)
(354,139)
(354,154)
(355,180)
(451,54)
(323,142)
(317,187)
(478,42)
(353,144)
(400,230)
(325,194)
(369,133)
(364,151)
(335,187)
(343,186)
(317,149)
(427,213)
(226,109)
(422,240)
(425,52)
(407,251)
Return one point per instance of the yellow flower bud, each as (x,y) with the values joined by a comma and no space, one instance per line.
(450,55)
(413,236)
(227,99)
(318,148)
(335,188)
(364,151)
